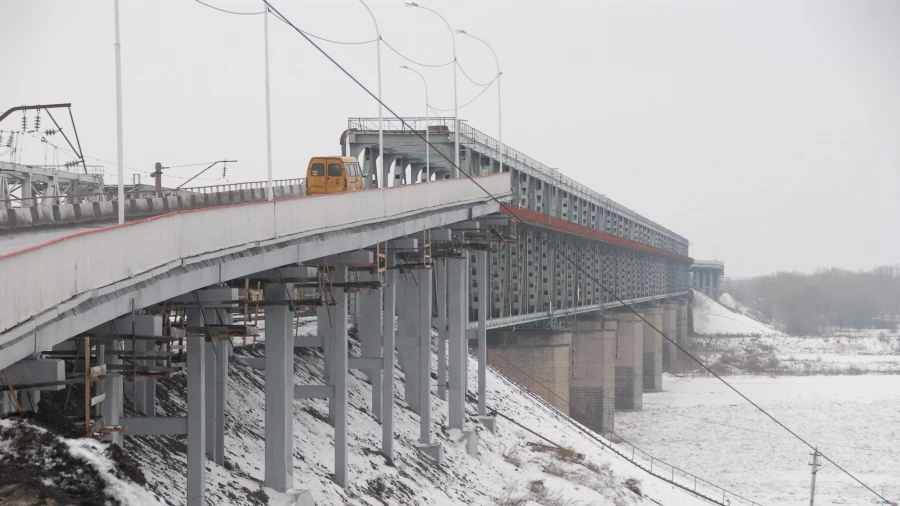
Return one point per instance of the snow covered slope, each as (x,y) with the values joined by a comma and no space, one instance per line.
(712,318)
(508,471)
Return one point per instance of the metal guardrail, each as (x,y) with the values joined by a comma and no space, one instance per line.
(658,468)
(136,194)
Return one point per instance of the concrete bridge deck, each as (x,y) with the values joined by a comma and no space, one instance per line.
(58,289)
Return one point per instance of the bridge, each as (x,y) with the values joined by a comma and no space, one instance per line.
(167,291)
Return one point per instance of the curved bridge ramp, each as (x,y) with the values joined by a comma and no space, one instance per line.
(69,285)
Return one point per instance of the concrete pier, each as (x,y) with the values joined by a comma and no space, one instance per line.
(593,375)
(669,326)
(279,433)
(539,360)
(682,361)
(629,361)
(653,366)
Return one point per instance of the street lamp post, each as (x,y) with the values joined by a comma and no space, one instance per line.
(427,142)
(499,108)
(455,104)
(380,113)
(270,194)
(120,160)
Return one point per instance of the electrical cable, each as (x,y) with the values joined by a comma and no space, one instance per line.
(230,12)
(401,55)
(576,266)
(436,109)
(476,83)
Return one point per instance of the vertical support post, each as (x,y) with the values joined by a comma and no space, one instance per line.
(324,317)
(387,335)
(210,399)
(457,315)
(339,372)
(111,407)
(424,358)
(223,349)
(815,469)
(196,407)
(408,332)
(482,331)
(279,472)
(369,324)
(441,273)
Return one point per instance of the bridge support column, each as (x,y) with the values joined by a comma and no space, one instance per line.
(196,408)
(217,356)
(669,328)
(141,392)
(423,298)
(339,371)
(440,266)
(682,360)
(324,323)
(629,361)
(457,320)
(457,317)
(407,334)
(368,309)
(279,429)
(653,350)
(593,374)
(483,285)
(387,345)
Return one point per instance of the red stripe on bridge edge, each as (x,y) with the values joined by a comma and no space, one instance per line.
(536,219)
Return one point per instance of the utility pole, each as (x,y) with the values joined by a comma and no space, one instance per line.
(815,469)
(157,175)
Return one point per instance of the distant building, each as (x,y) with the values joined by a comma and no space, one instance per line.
(708,276)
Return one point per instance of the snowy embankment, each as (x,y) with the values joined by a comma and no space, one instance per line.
(714,319)
(508,471)
(733,343)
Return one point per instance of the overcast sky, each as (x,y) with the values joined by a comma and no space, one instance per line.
(766,132)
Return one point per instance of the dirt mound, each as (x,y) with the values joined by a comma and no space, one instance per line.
(37,468)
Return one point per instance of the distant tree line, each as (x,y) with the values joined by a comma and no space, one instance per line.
(825,299)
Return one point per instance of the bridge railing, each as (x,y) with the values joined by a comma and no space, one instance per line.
(53,200)
(659,468)
(406,125)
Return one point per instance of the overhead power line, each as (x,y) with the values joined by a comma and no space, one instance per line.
(567,259)
(230,12)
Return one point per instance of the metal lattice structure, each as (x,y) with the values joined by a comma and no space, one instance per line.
(557,223)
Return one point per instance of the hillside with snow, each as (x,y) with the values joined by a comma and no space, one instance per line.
(713,318)
(508,470)
(537,456)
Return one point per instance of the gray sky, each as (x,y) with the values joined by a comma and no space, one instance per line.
(766,132)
